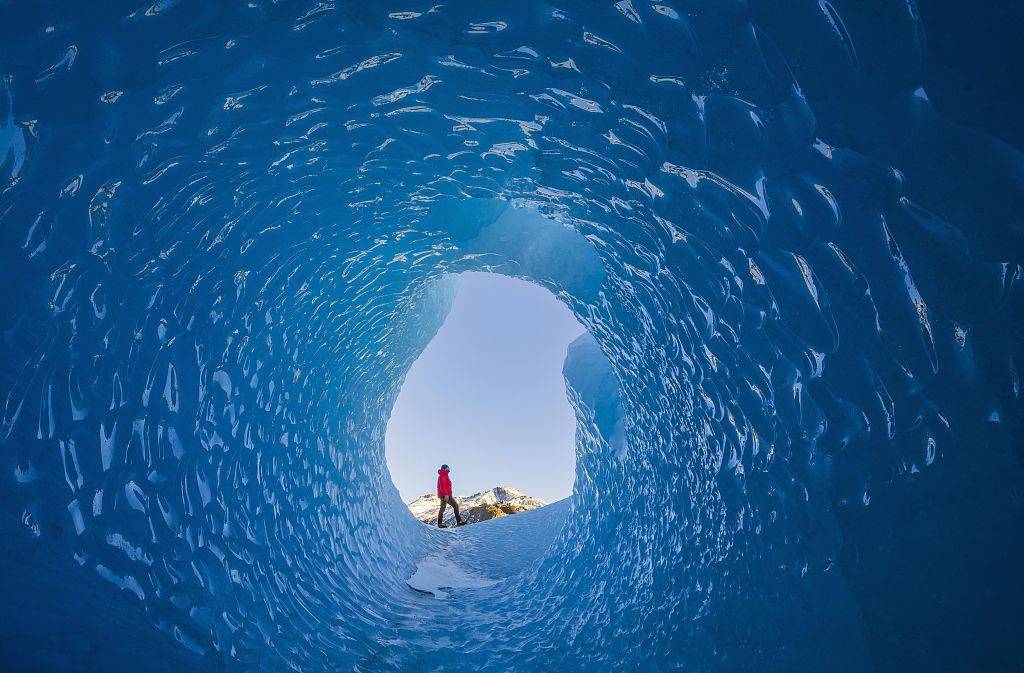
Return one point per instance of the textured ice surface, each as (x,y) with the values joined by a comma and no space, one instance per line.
(479,556)
(226,232)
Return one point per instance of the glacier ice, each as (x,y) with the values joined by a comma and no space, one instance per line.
(228,229)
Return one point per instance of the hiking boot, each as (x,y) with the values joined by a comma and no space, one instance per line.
(442,525)
(461,523)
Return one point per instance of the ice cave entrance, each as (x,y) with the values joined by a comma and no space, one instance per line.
(487,397)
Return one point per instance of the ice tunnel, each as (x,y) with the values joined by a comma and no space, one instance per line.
(791,230)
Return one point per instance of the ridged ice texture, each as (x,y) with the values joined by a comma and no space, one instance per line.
(226,230)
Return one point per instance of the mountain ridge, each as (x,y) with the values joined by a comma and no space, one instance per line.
(483,506)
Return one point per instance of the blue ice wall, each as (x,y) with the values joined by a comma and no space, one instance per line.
(226,232)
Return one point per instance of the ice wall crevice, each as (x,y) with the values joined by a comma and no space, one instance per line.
(225,233)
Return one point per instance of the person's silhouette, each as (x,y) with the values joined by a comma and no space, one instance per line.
(444,494)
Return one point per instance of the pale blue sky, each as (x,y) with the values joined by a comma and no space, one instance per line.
(487,396)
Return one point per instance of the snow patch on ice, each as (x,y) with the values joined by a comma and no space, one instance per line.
(437,574)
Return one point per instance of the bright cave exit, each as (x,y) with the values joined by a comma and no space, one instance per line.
(487,398)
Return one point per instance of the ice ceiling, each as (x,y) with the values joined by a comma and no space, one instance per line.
(225,227)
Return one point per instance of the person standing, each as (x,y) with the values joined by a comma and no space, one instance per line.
(444,494)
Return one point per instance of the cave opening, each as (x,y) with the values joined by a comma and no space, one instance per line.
(487,396)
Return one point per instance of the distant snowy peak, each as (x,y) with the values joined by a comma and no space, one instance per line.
(498,501)
(499,495)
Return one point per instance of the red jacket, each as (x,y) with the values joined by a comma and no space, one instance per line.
(444,484)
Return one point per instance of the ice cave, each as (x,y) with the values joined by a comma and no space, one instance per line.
(791,229)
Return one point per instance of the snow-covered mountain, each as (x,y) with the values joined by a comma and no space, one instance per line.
(498,501)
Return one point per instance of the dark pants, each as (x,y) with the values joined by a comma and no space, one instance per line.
(448,500)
